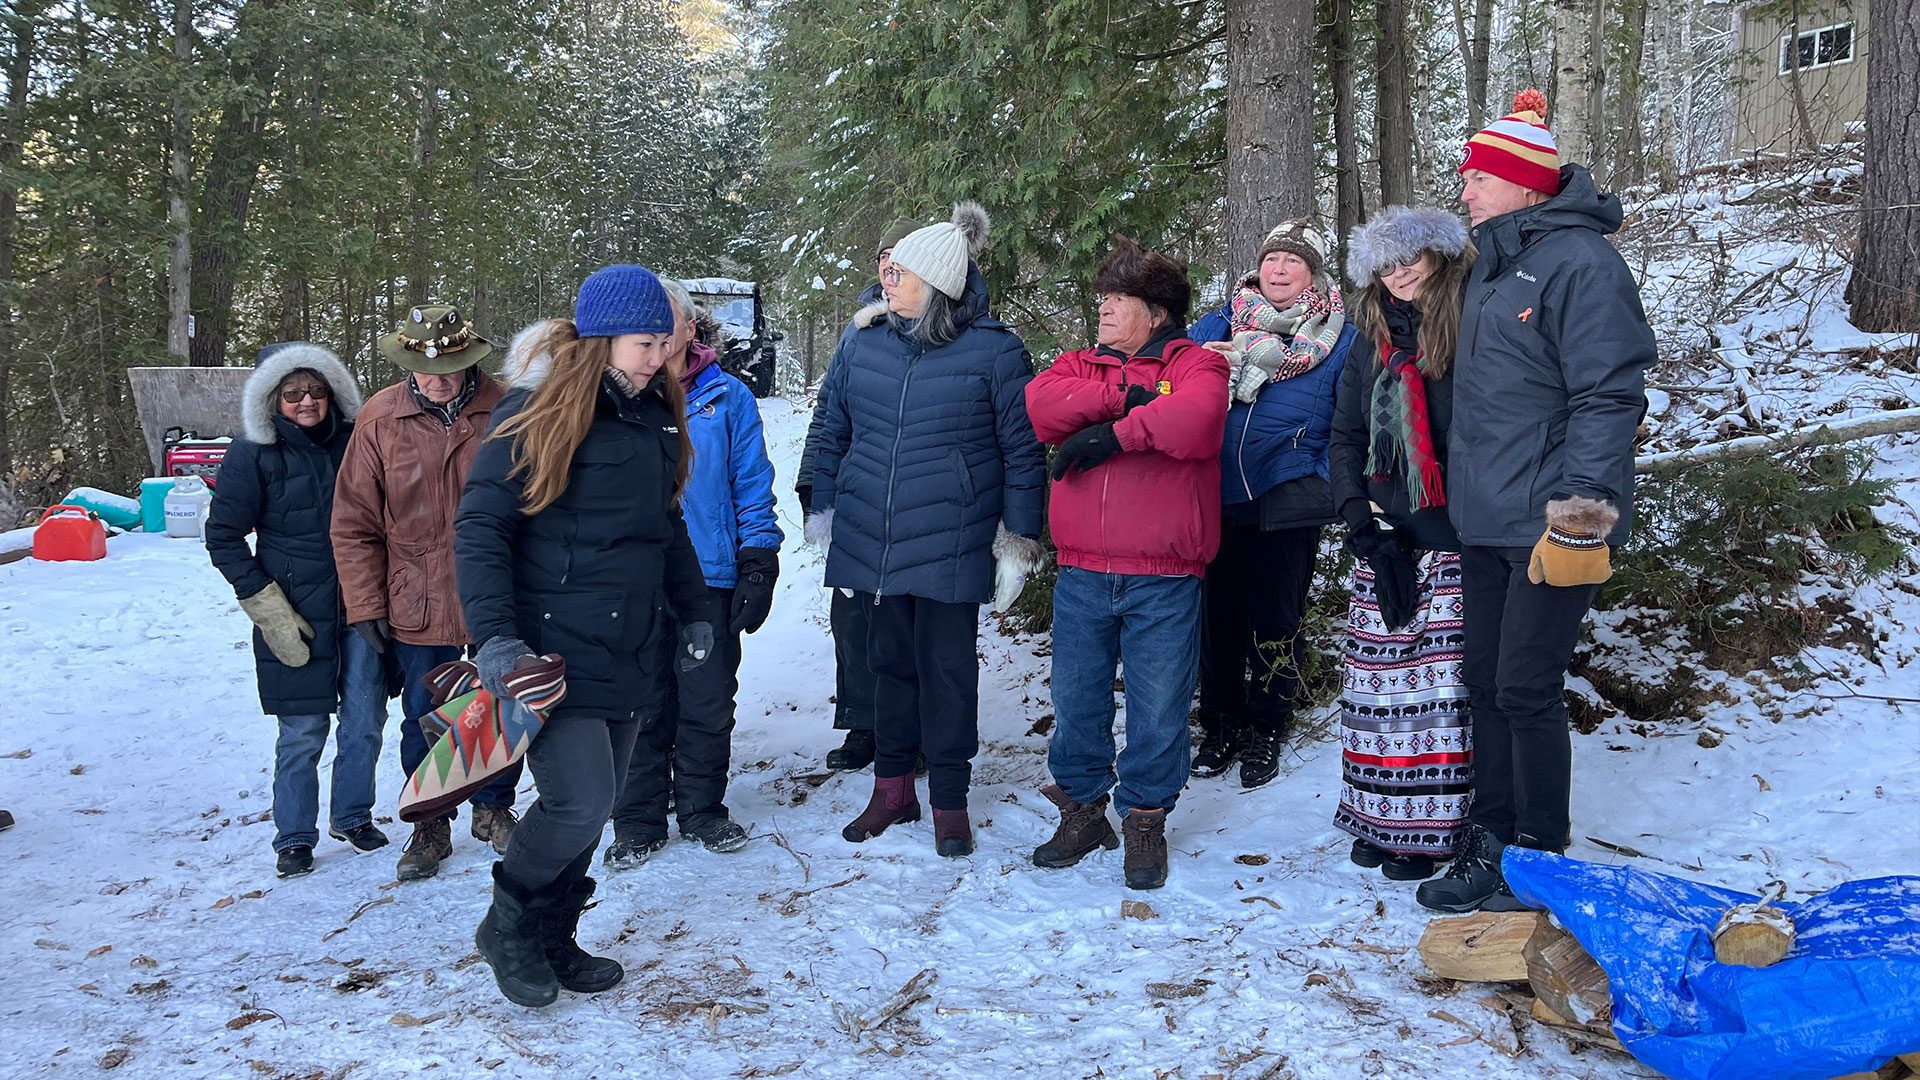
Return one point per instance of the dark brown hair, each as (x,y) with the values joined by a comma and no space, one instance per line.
(559,411)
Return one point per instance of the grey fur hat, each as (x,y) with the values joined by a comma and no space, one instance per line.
(279,360)
(1396,235)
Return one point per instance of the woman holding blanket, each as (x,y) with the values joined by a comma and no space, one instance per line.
(1404,732)
(570,547)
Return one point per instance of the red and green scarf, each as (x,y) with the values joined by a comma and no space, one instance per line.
(1400,436)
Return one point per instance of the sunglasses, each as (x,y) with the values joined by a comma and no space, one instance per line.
(292,397)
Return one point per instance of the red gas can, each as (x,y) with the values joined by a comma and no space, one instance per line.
(69,533)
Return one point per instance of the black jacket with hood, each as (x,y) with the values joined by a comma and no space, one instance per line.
(1548,383)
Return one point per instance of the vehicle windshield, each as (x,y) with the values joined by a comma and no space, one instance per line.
(734,313)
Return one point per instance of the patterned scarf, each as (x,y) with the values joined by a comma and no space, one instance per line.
(1400,436)
(1288,343)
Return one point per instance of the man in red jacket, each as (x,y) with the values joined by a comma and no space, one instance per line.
(1136,516)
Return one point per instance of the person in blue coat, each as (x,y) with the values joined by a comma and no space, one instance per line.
(927,492)
(1285,335)
(853,680)
(276,483)
(574,562)
(729,509)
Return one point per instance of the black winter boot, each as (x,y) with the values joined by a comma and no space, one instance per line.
(1220,744)
(855,753)
(510,940)
(1368,854)
(575,968)
(1260,757)
(1472,880)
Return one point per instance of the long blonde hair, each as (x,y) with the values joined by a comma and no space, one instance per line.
(1439,301)
(560,409)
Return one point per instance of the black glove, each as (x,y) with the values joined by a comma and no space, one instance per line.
(1089,447)
(758,568)
(805,491)
(1396,577)
(696,644)
(377,632)
(1137,396)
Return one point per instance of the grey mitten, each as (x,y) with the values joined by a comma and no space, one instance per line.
(696,644)
(285,632)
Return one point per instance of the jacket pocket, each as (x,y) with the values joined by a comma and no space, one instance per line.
(409,586)
(963,477)
(586,629)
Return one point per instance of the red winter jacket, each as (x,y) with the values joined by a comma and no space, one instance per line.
(1154,508)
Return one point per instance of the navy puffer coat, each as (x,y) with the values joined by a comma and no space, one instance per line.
(277,482)
(592,576)
(924,453)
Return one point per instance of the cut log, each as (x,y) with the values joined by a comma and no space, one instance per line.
(1753,935)
(1889,1071)
(1565,979)
(1912,1062)
(1587,1034)
(1488,946)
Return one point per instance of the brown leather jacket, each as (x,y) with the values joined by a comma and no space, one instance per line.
(393,510)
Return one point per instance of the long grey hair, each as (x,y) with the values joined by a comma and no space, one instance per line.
(936,326)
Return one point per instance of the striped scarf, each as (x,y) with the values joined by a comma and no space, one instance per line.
(1400,436)
(1288,343)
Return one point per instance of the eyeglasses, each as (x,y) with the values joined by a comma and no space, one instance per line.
(891,275)
(292,397)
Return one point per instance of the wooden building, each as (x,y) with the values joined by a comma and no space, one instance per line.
(1829,55)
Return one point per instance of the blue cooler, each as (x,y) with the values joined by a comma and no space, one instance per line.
(153,503)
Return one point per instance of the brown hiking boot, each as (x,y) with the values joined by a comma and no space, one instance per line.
(432,842)
(1083,827)
(494,825)
(952,833)
(893,803)
(1146,862)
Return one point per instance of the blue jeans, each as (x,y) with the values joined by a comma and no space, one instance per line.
(1151,625)
(415,662)
(356,749)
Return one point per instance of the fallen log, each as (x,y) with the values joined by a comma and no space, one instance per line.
(1487,946)
(1565,979)
(1859,427)
(1889,1071)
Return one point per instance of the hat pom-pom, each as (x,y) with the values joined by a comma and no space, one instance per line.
(1531,100)
(972,220)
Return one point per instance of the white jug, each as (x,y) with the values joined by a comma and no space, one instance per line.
(187,506)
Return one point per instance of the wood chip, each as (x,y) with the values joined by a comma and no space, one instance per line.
(1136,909)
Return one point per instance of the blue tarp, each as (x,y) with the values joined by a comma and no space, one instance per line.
(1846,999)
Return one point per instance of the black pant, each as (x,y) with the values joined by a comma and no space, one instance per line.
(853,675)
(1520,639)
(578,762)
(1251,648)
(927,697)
(690,743)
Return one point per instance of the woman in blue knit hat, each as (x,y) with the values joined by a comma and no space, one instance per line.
(571,548)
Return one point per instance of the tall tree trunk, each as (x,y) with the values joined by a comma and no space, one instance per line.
(1270,144)
(1393,104)
(1598,146)
(1884,291)
(1802,119)
(1629,148)
(1672,70)
(233,165)
(1572,113)
(1477,60)
(1349,207)
(179,166)
(22,31)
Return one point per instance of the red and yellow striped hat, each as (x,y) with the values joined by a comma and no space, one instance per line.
(1518,147)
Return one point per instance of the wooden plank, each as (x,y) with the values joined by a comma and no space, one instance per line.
(1487,946)
(1585,1034)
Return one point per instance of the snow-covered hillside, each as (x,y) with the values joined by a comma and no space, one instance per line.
(144,928)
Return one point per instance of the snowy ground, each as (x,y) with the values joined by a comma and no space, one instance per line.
(143,925)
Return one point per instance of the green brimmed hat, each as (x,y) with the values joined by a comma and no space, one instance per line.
(435,339)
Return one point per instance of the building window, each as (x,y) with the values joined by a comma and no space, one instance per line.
(1819,48)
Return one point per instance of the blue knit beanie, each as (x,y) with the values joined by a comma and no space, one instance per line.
(617,300)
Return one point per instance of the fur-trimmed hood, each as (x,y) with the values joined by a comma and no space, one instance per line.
(1396,235)
(277,361)
(527,363)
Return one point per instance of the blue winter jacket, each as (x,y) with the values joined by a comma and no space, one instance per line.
(729,498)
(1284,434)
(923,453)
